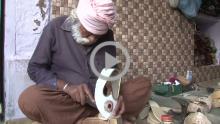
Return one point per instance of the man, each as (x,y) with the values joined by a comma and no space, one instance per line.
(65,83)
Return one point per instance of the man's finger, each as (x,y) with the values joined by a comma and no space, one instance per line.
(122,109)
(77,96)
(117,107)
(82,96)
(88,93)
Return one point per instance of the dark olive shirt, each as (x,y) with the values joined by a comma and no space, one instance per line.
(59,56)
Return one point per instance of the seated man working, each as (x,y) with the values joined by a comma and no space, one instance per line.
(62,73)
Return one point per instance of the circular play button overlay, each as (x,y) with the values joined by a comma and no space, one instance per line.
(110,60)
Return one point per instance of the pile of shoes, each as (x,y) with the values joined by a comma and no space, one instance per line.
(215,99)
(200,104)
(155,114)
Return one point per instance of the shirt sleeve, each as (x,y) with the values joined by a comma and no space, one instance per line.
(40,62)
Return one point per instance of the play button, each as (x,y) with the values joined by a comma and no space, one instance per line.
(110,61)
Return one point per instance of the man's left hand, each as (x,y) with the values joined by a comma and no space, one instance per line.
(120,107)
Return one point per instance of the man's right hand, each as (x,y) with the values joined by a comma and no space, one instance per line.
(79,93)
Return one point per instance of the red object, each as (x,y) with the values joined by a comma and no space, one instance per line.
(167,118)
(172,79)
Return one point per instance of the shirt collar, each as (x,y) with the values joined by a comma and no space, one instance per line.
(68,23)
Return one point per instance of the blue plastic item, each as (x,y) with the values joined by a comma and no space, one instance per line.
(190,8)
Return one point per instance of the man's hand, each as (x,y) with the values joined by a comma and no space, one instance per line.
(79,93)
(120,107)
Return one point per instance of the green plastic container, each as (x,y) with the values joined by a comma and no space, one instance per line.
(167,90)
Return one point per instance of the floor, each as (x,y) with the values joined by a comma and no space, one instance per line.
(87,121)
(18,121)
(163,100)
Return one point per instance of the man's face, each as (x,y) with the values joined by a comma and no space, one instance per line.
(86,34)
